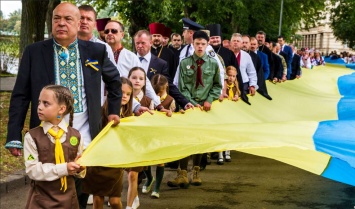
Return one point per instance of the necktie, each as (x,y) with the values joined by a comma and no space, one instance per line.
(199,72)
(238,59)
(137,99)
(141,59)
(187,51)
(59,154)
(230,91)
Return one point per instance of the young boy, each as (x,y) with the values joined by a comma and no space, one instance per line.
(200,83)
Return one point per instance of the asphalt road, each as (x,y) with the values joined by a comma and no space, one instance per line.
(247,182)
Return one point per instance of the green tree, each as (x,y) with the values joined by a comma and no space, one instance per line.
(243,16)
(13,18)
(342,20)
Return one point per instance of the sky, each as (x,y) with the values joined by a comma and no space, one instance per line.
(8,6)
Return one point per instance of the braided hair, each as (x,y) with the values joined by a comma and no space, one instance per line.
(64,96)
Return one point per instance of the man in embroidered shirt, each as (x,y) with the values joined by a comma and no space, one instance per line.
(66,61)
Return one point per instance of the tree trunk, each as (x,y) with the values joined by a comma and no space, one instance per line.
(52,4)
(32,22)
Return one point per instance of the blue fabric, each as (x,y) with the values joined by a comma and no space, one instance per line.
(339,170)
(334,61)
(346,108)
(351,66)
(346,85)
(336,138)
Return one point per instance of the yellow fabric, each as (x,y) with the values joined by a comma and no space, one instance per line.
(280,129)
(230,93)
(59,154)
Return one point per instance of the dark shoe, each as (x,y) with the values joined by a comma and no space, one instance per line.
(220,161)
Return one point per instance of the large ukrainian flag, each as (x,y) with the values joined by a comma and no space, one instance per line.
(310,124)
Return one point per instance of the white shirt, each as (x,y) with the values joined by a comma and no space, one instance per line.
(45,171)
(247,69)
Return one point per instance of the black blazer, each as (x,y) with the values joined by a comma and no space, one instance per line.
(260,74)
(295,66)
(37,70)
(159,66)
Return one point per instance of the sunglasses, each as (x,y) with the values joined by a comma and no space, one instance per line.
(113,31)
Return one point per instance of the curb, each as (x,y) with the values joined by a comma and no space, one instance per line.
(14,181)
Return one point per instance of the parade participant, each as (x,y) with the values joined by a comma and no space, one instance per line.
(199,81)
(258,67)
(288,55)
(51,151)
(166,37)
(138,77)
(261,36)
(157,30)
(86,33)
(160,85)
(262,56)
(189,29)
(245,64)
(231,90)
(48,62)
(227,55)
(100,26)
(153,65)
(125,60)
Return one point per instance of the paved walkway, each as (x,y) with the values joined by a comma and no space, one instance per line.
(248,182)
(7,83)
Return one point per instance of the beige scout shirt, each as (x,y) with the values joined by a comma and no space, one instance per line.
(46,171)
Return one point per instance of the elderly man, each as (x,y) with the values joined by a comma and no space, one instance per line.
(245,64)
(47,62)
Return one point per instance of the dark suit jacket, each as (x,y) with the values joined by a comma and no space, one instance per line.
(260,74)
(37,70)
(264,64)
(270,58)
(167,55)
(159,66)
(296,66)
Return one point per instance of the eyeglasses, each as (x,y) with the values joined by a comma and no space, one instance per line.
(113,31)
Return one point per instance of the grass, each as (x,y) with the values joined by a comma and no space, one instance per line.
(6,74)
(8,163)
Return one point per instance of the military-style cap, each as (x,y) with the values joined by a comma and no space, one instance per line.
(156,28)
(215,29)
(101,23)
(200,34)
(191,25)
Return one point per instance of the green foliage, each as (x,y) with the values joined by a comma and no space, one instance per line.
(9,24)
(342,21)
(242,16)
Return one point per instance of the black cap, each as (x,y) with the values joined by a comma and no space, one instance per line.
(191,25)
(215,29)
(200,34)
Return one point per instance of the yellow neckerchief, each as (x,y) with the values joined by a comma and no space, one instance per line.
(137,99)
(230,93)
(162,98)
(59,154)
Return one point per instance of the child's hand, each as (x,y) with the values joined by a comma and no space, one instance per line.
(206,106)
(235,98)
(169,113)
(221,97)
(73,168)
(142,110)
